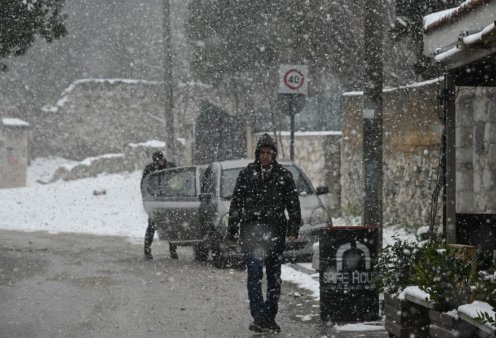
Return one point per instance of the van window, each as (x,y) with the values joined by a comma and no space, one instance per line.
(173,183)
(229,177)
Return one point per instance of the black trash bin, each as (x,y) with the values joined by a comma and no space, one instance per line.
(347,257)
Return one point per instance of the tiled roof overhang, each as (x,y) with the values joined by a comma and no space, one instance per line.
(461,35)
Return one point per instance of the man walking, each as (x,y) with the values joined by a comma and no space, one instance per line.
(159,163)
(263,191)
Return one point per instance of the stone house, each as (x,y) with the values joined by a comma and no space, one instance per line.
(14,152)
(463,41)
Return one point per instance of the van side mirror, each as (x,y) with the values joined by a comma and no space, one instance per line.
(322,190)
(206,197)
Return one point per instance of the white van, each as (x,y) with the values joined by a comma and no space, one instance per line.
(190,206)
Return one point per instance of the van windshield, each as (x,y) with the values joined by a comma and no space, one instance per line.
(302,184)
(229,177)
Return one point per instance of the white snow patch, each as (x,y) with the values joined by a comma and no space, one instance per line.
(14,122)
(359,327)
(475,308)
(414,291)
(301,279)
(150,143)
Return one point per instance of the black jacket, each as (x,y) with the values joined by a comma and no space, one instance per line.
(258,204)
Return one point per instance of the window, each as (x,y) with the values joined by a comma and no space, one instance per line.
(173,183)
(229,178)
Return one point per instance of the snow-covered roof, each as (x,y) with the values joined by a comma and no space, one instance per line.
(467,41)
(14,122)
(304,133)
(150,144)
(411,85)
(436,20)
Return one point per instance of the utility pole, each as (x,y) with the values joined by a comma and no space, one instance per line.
(372,116)
(168,84)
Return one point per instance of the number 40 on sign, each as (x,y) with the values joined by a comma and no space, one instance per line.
(293,79)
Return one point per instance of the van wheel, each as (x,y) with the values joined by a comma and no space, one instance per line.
(200,252)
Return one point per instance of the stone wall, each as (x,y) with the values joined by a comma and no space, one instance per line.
(95,117)
(134,158)
(476,150)
(14,150)
(411,158)
(318,154)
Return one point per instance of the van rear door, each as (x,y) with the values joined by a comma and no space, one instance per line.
(170,197)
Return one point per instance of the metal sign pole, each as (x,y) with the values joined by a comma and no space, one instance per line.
(292,112)
(293,83)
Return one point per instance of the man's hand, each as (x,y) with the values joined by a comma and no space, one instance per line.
(292,238)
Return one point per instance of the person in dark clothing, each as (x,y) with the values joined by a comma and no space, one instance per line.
(159,163)
(263,191)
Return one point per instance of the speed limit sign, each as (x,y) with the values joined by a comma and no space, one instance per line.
(293,79)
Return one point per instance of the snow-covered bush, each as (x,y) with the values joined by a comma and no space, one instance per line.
(395,268)
(445,274)
(485,291)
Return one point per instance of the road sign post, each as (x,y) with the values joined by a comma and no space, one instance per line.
(293,84)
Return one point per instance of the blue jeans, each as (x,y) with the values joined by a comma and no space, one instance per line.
(260,309)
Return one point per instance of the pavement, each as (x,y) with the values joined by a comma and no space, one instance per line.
(75,285)
(372,329)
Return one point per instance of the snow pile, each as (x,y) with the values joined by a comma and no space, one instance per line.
(105,205)
(414,291)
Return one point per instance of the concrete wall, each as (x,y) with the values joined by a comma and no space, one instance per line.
(412,137)
(476,150)
(14,151)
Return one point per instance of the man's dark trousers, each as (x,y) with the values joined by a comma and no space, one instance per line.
(149,234)
(260,309)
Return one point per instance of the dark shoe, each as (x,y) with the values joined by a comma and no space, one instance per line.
(148,256)
(272,326)
(173,255)
(258,326)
